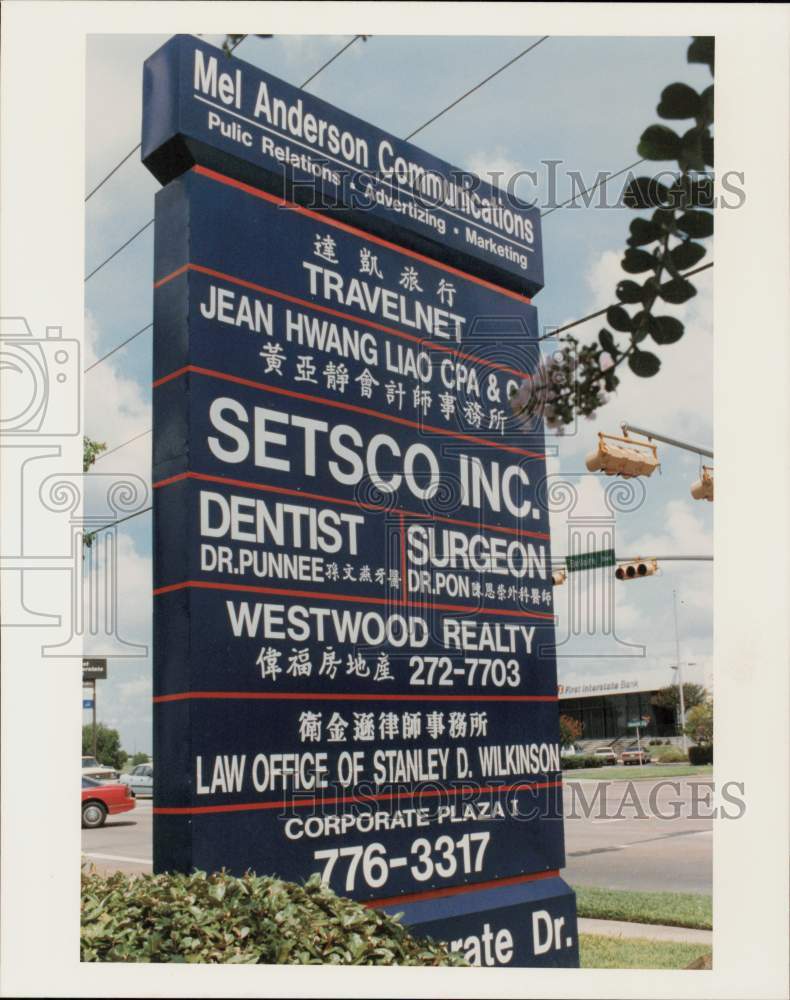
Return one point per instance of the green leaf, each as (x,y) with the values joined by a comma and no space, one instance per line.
(706,100)
(659,143)
(702,50)
(617,317)
(664,218)
(707,150)
(637,261)
(677,291)
(692,192)
(643,231)
(628,291)
(645,192)
(690,156)
(643,363)
(643,325)
(666,329)
(686,255)
(695,223)
(606,341)
(679,101)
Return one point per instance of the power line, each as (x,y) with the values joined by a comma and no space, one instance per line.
(118,447)
(123,246)
(114,524)
(330,61)
(132,151)
(600,183)
(477,86)
(600,312)
(117,166)
(117,347)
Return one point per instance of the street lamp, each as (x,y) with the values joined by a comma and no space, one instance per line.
(678,666)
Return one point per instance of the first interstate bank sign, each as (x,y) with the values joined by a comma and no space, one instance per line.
(200,106)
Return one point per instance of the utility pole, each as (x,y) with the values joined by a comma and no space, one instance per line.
(93,681)
(668,440)
(680,673)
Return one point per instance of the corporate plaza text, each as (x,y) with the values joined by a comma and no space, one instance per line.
(322,812)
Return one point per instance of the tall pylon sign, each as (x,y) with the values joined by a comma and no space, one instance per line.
(354,634)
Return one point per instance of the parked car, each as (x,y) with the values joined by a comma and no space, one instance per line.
(91,768)
(607,753)
(140,779)
(633,755)
(100,800)
(572,751)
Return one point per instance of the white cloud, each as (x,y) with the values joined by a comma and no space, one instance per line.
(498,168)
(116,409)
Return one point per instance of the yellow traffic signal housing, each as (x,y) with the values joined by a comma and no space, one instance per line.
(623,458)
(703,488)
(559,576)
(636,568)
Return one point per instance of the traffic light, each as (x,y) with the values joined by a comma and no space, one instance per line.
(559,576)
(628,457)
(636,568)
(703,488)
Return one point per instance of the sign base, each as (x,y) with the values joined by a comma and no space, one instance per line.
(524,925)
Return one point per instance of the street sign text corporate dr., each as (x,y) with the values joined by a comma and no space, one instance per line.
(355,670)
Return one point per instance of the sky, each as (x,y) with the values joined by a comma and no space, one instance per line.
(581,101)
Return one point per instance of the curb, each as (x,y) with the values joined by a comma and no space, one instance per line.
(654,932)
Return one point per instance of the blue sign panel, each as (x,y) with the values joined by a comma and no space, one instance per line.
(527,924)
(353,611)
(203,107)
(87,702)
(355,671)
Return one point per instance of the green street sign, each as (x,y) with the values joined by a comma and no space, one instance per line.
(637,724)
(590,560)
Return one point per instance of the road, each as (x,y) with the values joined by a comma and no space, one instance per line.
(623,844)
(610,846)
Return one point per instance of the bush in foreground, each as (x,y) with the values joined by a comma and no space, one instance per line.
(701,755)
(252,919)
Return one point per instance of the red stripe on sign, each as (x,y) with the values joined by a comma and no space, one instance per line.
(336,404)
(456,890)
(340,799)
(160,699)
(305,495)
(349,317)
(353,598)
(346,228)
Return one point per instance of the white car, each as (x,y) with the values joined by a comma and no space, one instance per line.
(140,779)
(607,753)
(91,768)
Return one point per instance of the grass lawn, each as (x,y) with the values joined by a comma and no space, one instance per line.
(635,773)
(597,952)
(677,909)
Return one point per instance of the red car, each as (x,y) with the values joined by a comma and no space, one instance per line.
(99,800)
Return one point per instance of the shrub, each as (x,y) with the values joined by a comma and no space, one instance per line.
(701,755)
(252,919)
(579,761)
(670,755)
